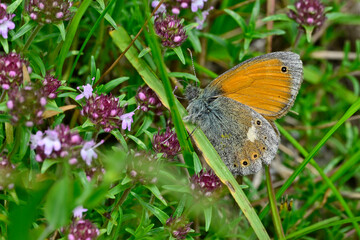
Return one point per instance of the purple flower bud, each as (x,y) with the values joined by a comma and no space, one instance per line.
(166,143)
(147,99)
(103,110)
(83,230)
(26,105)
(50,86)
(48,11)
(178,227)
(11,73)
(308,13)
(205,182)
(169,27)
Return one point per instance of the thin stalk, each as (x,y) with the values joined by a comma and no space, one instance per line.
(89,36)
(128,47)
(274,210)
(32,37)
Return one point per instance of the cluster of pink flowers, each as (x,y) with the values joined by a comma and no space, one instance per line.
(49,11)
(61,142)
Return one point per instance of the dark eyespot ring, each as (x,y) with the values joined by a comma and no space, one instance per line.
(265,137)
(254,156)
(264,148)
(244,162)
(258,122)
(284,69)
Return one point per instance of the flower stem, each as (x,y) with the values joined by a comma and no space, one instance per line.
(32,37)
(275,213)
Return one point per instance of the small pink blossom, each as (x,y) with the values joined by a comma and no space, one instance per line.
(127,120)
(78,211)
(88,153)
(87,93)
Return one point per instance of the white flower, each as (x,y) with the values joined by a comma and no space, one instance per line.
(127,120)
(197,4)
(87,152)
(50,142)
(87,93)
(78,211)
(36,139)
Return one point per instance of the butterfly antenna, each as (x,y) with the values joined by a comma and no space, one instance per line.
(192,61)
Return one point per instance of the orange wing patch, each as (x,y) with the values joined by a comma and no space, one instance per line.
(268,85)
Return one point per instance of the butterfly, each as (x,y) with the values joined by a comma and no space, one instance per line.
(236,111)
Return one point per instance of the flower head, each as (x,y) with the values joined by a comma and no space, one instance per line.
(6,22)
(147,99)
(49,11)
(11,72)
(166,143)
(170,30)
(104,111)
(142,168)
(50,86)
(205,182)
(26,105)
(7,170)
(308,13)
(83,230)
(56,143)
(178,227)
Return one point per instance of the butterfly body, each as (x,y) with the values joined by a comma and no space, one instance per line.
(236,110)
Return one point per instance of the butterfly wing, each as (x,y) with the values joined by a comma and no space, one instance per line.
(242,137)
(268,83)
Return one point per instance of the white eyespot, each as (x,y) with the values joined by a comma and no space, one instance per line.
(251,134)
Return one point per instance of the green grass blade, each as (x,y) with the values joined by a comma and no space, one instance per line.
(70,36)
(122,39)
(89,36)
(322,225)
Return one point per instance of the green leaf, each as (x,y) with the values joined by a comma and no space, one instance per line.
(181,205)
(113,84)
(238,19)
(117,134)
(154,189)
(23,30)
(194,40)
(73,27)
(183,75)
(4,44)
(47,164)
(58,203)
(208,216)
(277,17)
(159,214)
(180,54)
(147,121)
(12,7)
(254,15)
(61,28)
(140,143)
(197,163)
(144,52)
